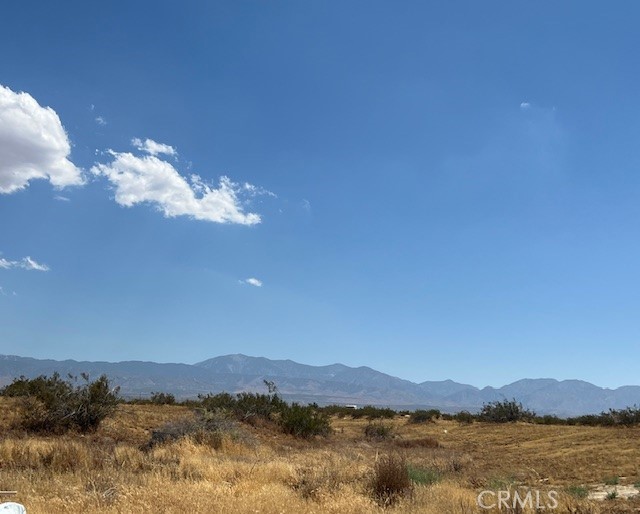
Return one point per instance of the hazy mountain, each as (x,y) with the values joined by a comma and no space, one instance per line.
(335,383)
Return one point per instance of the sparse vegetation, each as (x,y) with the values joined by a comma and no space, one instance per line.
(578,491)
(372,412)
(423,476)
(162,399)
(254,408)
(378,431)
(170,458)
(206,427)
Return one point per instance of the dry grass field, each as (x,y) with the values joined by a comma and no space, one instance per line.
(259,470)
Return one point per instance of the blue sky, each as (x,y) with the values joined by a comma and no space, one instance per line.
(436,190)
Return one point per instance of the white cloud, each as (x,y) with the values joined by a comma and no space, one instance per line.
(61,198)
(253,282)
(33,144)
(152,148)
(100,120)
(252,190)
(525,105)
(150,179)
(26,263)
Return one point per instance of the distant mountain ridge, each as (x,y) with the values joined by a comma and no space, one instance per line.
(335,383)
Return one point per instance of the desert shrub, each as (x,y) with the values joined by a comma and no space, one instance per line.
(378,430)
(220,401)
(629,416)
(341,411)
(506,411)
(424,416)
(208,428)
(605,419)
(246,407)
(249,406)
(54,405)
(391,480)
(463,417)
(300,421)
(304,421)
(371,412)
(550,419)
(162,399)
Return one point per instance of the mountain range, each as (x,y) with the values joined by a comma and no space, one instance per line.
(335,383)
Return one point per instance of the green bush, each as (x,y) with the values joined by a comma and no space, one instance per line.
(304,421)
(424,416)
(54,405)
(463,417)
(506,411)
(371,412)
(247,407)
(300,421)
(378,430)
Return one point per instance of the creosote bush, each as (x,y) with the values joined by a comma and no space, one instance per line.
(304,421)
(378,431)
(254,408)
(424,416)
(53,405)
(507,411)
(464,417)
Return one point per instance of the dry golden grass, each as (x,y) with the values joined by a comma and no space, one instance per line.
(108,472)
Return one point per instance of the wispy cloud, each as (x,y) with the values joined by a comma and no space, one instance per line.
(153,180)
(100,120)
(253,282)
(525,105)
(33,144)
(252,190)
(61,198)
(26,263)
(152,148)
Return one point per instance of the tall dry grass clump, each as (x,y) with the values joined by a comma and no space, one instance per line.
(391,480)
